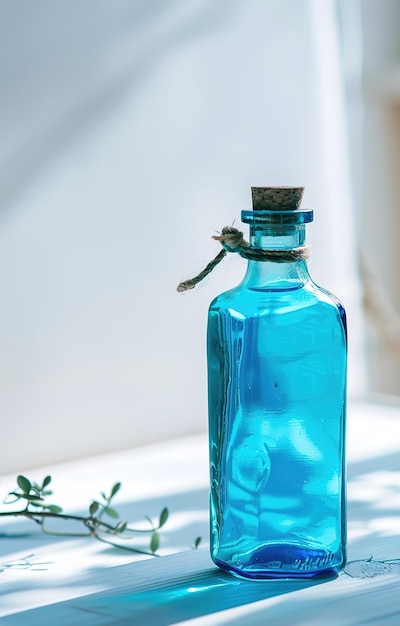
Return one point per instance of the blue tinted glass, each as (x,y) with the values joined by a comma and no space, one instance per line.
(277,372)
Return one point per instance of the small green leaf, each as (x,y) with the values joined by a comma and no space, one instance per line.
(24,483)
(154,542)
(115,489)
(197,542)
(111,512)
(149,520)
(163,517)
(46,482)
(53,508)
(18,496)
(121,527)
(31,498)
(103,495)
(93,507)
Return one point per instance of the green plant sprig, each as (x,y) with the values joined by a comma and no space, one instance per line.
(36,508)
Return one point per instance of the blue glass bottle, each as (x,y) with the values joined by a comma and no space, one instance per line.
(277,353)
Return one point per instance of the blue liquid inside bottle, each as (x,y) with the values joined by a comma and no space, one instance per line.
(277,377)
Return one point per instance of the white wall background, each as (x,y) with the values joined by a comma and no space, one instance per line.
(131,131)
(378,208)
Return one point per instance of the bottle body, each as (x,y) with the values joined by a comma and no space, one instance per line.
(277,386)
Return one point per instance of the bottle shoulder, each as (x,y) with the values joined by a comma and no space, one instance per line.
(249,302)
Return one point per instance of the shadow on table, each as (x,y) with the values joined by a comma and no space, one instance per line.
(374,507)
(160,592)
(186,585)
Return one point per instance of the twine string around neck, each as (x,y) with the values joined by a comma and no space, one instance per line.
(232,240)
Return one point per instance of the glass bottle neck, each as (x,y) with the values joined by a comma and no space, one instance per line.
(272,275)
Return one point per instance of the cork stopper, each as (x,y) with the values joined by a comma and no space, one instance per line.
(276,198)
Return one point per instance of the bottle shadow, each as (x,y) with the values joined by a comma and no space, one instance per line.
(192,596)
(160,592)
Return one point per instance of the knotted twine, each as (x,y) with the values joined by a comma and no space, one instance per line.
(232,240)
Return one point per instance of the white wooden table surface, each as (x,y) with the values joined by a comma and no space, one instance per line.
(81,582)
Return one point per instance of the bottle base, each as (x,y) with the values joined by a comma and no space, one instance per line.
(282,560)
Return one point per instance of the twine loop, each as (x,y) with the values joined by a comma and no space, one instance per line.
(232,240)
